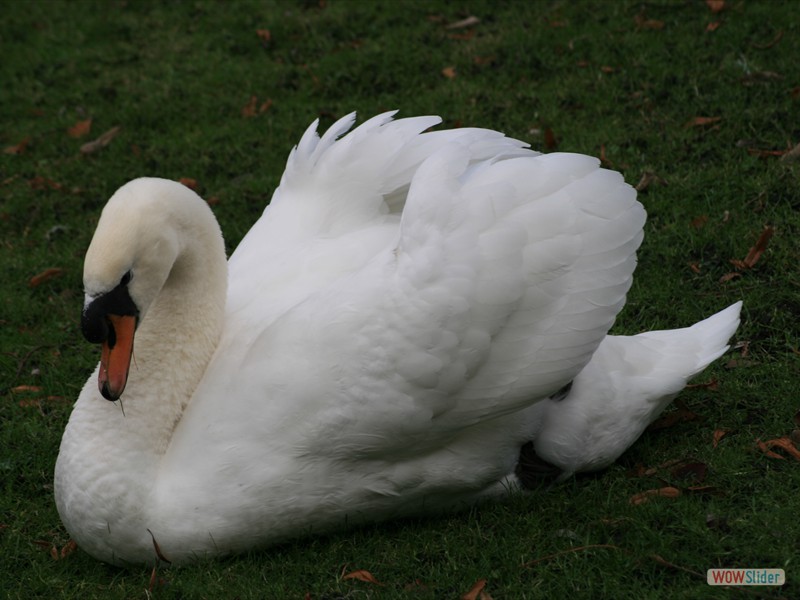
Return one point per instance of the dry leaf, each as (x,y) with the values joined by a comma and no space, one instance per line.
(26,388)
(712,385)
(475,590)
(695,267)
(699,222)
(647,495)
(702,121)
(463,36)
(101,142)
(718,435)
(68,549)
(39,183)
(449,72)
(264,35)
(644,23)
(782,442)
(362,575)
(45,275)
(157,548)
(765,449)
(756,251)
(80,129)
(691,470)
(715,5)
(677,416)
(550,141)
(713,26)
(189,182)
(249,109)
(607,69)
(648,178)
(19,148)
(468,22)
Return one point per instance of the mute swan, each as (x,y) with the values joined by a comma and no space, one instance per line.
(375,347)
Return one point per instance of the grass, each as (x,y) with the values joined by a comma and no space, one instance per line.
(621,79)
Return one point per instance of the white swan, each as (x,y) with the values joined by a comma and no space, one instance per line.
(385,333)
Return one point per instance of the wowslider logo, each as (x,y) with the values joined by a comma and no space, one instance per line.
(746,577)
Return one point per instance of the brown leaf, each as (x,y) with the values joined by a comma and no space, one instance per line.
(702,121)
(695,267)
(189,182)
(648,178)
(718,435)
(157,548)
(101,142)
(644,23)
(713,26)
(712,385)
(728,277)
(449,72)
(606,69)
(362,575)
(761,244)
(783,443)
(39,183)
(715,6)
(68,549)
(765,449)
(264,35)
(26,388)
(647,495)
(482,61)
(249,109)
(550,141)
(699,222)
(691,470)
(18,148)
(80,129)
(680,415)
(468,22)
(44,276)
(265,105)
(475,590)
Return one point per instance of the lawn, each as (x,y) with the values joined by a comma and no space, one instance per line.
(696,102)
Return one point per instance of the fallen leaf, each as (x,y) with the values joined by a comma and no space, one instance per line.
(475,590)
(765,449)
(713,26)
(712,385)
(18,148)
(728,277)
(249,109)
(682,414)
(695,267)
(101,142)
(699,222)
(26,388)
(80,129)
(362,575)
(483,60)
(463,36)
(45,275)
(644,23)
(607,69)
(718,435)
(550,141)
(647,495)
(647,179)
(761,244)
(264,35)
(468,22)
(189,182)
(68,549)
(715,5)
(157,548)
(691,470)
(39,183)
(265,106)
(702,121)
(784,443)
(449,72)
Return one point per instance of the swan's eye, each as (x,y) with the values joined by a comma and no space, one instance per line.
(126,278)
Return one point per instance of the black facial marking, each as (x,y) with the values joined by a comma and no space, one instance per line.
(95,325)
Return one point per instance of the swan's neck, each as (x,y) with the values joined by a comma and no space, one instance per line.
(110,452)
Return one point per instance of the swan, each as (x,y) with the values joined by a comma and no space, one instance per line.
(412,308)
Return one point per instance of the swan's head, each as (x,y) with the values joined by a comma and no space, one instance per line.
(135,246)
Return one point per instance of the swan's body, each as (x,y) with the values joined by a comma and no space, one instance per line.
(386,331)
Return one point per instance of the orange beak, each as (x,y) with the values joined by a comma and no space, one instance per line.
(116,356)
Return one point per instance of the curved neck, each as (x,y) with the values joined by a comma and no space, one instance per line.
(110,448)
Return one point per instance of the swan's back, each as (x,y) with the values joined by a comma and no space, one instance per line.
(367,329)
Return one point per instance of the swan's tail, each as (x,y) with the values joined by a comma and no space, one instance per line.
(625,387)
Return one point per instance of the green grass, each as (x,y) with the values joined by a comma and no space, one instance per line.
(175,77)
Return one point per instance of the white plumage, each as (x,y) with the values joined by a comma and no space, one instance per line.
(387,332)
